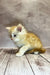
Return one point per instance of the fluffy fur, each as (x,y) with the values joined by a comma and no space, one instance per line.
(26,41)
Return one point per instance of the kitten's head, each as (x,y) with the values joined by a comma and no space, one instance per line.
(15,31)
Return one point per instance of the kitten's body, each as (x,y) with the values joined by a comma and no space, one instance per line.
(26,41)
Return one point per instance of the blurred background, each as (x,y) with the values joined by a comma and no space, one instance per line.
(33,14)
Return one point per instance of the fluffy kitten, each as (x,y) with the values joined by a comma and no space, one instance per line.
(26,41)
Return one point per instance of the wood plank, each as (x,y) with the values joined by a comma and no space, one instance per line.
(18,66)
(46,55)
(3,61)
(39,65)
(2,55)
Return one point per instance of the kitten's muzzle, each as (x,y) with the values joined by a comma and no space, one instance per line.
(11,39)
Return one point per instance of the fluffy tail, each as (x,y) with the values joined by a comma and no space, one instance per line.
(40,50)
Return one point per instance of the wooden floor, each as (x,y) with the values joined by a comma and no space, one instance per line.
(29,64)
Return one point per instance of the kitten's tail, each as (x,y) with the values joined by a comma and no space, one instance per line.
(40,50)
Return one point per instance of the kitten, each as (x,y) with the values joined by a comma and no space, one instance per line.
(26,41)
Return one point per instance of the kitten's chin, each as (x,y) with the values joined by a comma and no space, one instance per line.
(15,40)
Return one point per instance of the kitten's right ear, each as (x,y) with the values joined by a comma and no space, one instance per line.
(8,28)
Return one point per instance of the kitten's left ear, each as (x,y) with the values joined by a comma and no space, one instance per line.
(19,28)
(8,28)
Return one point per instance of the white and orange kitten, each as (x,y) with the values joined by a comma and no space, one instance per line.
(28,42)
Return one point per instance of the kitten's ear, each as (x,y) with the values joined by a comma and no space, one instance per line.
(19,28)
(8,28)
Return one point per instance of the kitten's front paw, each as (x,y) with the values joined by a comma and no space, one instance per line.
(19,54)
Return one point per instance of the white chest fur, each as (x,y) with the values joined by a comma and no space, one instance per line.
(19,44)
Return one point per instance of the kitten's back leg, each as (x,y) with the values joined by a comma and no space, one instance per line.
(36,51)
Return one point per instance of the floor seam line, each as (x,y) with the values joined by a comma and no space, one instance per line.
(7,65)
(44,58)
(30,65)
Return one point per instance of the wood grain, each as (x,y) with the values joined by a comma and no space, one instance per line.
(39,65)
(18,66)
(29,64)
(3,62)
(46,55)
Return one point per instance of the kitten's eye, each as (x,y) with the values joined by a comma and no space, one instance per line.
(14,35)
